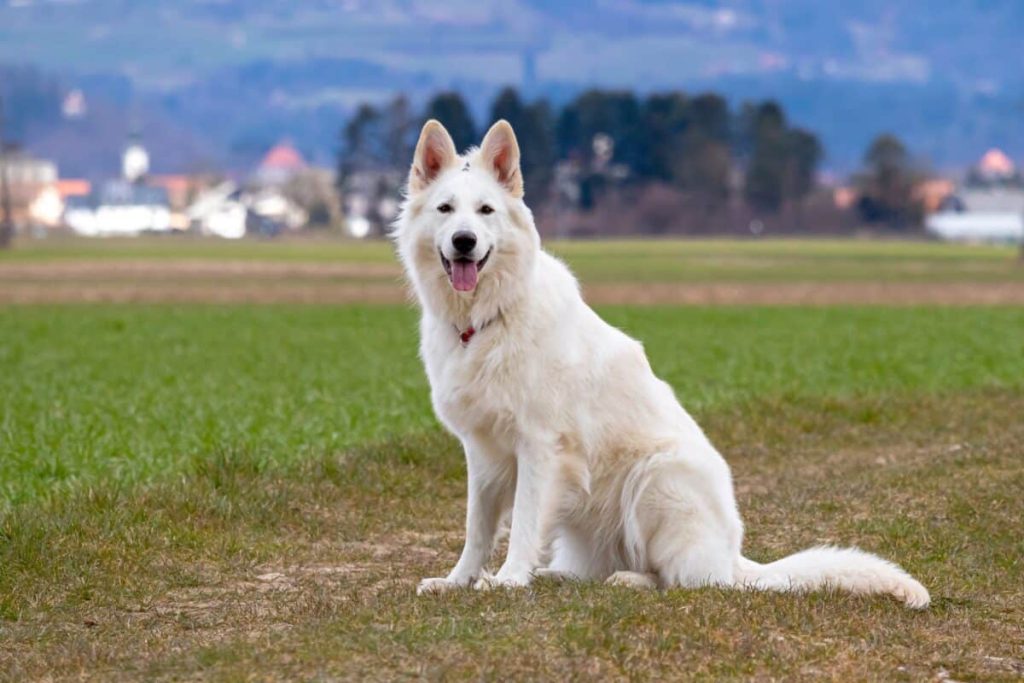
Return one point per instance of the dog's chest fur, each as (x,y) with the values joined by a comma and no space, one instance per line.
(480,387)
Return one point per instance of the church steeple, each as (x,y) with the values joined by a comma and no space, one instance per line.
(135,159)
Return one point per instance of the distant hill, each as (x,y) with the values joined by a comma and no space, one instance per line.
(225,79)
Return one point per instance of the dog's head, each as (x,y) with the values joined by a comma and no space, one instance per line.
(465,236)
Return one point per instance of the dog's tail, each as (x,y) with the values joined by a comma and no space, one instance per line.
(847,569)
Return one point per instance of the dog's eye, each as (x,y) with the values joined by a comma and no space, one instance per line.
(445,208)
(486,210)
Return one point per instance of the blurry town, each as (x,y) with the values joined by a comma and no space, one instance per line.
(606,163)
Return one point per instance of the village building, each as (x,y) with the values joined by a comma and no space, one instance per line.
(126,206)
(31,182)
(134,161)
(181,191)
(266,194)
(987,207)
(119,208)
(370,201)
(220,211)
(282,163)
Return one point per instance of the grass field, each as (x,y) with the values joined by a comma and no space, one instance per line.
(252,492)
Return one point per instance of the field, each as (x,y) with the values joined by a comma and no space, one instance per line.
(227,484)
(792,272)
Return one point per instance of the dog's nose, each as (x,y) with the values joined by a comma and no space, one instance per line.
(463,241)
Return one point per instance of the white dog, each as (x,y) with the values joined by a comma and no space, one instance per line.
(563,422)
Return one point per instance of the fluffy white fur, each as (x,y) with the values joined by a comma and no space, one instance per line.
(565,427)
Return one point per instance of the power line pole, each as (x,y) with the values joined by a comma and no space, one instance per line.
(6,219)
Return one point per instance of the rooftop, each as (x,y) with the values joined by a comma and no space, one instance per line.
(995,163)
(283,156)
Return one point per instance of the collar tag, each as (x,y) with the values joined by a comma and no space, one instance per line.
(467,335)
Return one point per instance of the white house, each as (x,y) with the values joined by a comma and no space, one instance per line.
(988,207)
(271,204)
(370,201)
(119,208)
(122,207)
(220,212)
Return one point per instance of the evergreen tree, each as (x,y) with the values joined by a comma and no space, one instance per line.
(613,113)
(400,132)
(804,153)
(766,170)
(711,117)
(364,143)
(535,132)
(666,119)
(706,162)
(450,109)
(887,184)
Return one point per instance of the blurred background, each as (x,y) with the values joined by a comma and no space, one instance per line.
(734,117)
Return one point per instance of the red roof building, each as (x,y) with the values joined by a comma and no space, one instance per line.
(280,164)
(283,157)
(73,187)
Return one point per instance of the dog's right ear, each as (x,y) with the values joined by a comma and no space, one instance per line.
(435,152)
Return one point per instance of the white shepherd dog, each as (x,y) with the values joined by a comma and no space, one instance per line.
(564,425)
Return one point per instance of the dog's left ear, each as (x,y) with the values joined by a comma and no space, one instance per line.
(499,152)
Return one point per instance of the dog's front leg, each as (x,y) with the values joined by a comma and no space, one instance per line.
(489,487)
(529,522)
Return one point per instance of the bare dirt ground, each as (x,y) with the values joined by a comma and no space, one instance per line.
(238,281)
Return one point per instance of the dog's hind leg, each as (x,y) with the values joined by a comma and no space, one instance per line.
(686,522)
(691,560)
(572,558)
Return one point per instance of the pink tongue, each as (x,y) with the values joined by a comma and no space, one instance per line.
(464,276)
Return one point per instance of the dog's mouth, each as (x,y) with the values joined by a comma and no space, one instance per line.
(463,272)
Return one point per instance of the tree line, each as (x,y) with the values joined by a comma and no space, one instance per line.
(693,143)
(669,153)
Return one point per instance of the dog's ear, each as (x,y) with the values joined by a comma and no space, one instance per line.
(435,152)
(499,152)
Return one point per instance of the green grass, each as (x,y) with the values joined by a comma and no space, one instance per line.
(789,260)
(179,247)
(308,571)
(230,492)
(125,394)
(130,393)
(775,260)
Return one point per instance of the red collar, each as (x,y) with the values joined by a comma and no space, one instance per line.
(467,334)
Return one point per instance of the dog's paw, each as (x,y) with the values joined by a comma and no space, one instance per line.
(437,586)
(508,581)
(558,575)
(632,580)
